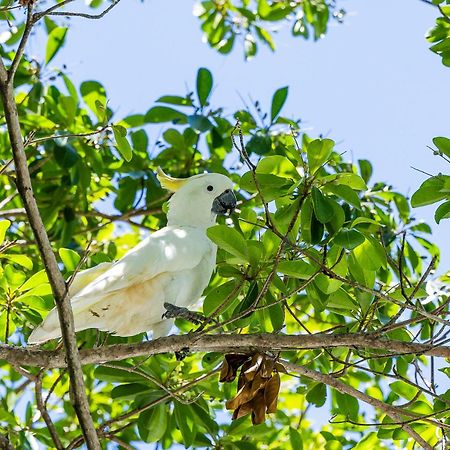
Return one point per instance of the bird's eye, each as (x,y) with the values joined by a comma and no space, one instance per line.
(210,188)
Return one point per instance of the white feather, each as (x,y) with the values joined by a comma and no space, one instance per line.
(173,265)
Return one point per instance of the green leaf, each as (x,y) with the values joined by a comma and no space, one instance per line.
(4,225)
(122,143)
(259,144)
(278,100)
(230,240)
(323,206)
(159,114)
(271,186)
(311,228)
(296,269)
(349,239)
(175,100)
(66,156)
(277,165)
(152,423)
(347,404)
(35,280)
(130,391)
(443,212)
(347,179)
(317,395)
(370,254)
(92,93)
(183,419)
(21,260)
(432,190)
(218,295)
(340,299)
(249,300)
(318,152)
(344,192)
(55,41)
(69,258)
(117,375)
(443,145)
(403,389)
(204,85)
(199,123)
(295,439)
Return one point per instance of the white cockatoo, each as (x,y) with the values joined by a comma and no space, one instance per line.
(172,265)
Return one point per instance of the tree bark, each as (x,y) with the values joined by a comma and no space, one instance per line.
(223,343)
(23,181)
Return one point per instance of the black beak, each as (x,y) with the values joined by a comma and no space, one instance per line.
(224,203)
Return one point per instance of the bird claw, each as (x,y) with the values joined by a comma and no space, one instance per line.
(179,312)
(182,354)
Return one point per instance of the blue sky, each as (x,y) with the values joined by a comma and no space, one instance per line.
(371,84)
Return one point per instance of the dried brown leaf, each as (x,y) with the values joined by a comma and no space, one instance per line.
(257,384)
(243,396)
(267,367)
(231,364)
(271,391)
(243,410)
(253,367)
(280,368)
(259,409)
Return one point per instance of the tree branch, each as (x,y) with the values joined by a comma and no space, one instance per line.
(5,444)
(45,415)
(19,53)
(394,412)
(57,282)
(85,15)
(40,15)
(244,343)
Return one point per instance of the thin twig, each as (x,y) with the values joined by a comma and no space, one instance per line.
(84,15)
(45,415)
(23,41)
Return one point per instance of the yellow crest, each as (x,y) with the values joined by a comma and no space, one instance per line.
(170,183)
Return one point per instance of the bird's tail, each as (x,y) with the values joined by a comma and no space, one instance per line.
(50,328)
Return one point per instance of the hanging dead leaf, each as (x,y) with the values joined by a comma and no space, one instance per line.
(258,385)
(259,409)
(230,366)
(267,368)
(256,362)
(243,396)
(243,410)
(271,390)
(280,368)
(26,2)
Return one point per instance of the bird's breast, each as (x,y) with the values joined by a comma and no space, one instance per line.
(186,286)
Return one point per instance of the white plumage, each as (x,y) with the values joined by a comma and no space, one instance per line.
(173,265)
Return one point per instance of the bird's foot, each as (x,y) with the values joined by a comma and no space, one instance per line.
(182,354)
(179,312)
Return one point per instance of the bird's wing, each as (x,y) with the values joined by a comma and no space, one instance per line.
(85,277)
(168,250)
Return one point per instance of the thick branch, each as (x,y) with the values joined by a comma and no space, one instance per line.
(57,282)
(223,343)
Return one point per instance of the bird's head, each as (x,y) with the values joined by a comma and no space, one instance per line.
(197,200)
